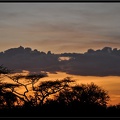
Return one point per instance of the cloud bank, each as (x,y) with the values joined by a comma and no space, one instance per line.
(101,62)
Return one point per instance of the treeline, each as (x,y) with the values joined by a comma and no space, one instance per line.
(59,98)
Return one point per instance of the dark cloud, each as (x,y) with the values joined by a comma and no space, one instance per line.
(101,62)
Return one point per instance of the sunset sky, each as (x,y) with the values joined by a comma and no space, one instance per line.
(60,27)
(64,27)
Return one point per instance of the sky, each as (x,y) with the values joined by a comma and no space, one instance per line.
(60,27)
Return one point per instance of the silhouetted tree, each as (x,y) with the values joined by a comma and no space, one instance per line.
(83,98)
(47,88)
(7,97)
(85,94)
(30,79)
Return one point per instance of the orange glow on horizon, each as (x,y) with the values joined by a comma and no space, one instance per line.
(108,83)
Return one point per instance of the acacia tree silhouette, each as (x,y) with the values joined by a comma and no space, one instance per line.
(47,88)
(10,88)
(31,80)
(40,92)
(7,98)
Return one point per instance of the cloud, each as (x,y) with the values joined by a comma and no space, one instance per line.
(97,63)
(102,62)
